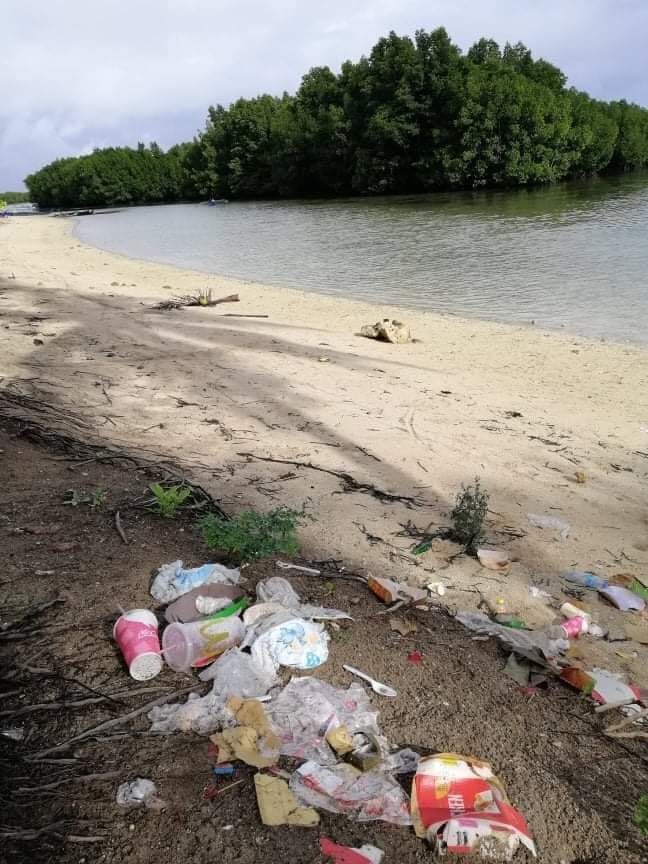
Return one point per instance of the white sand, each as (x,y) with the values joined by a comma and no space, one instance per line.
(375,411)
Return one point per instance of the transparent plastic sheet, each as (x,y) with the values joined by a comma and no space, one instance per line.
(172,581)
(276,589)
(552,523)
(139,792)
(533,644)
(308,708)
(372,796)
(233,674)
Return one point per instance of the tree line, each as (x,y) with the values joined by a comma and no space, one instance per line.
(416,115)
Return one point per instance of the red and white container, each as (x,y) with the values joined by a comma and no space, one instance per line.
(136,633)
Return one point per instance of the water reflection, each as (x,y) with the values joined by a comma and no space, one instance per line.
(573,256)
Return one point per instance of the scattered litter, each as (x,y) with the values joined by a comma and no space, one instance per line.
(194,645)
(387,331)
(539,594)
(340,740)
(223,769)
(278,590)
(172,580)
(535,645)
(278,805)
(494,559)
(436,588)
(580,477)
(193,605)
(403,626)
(461,807)
(549,522)
(391,592)
(415,657)
(603,686)
(233,674)
(376,686)
(367,796)
(585,579)
(632,583)
(308,709)
(622,598)
(518,670)
(138,792)
(365,854)
(245,744)
(136,633)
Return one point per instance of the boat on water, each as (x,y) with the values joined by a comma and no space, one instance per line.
(214,201)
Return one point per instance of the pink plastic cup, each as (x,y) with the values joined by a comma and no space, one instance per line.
(573,627)
(136,633)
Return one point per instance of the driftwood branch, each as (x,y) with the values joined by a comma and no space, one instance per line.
(202,299)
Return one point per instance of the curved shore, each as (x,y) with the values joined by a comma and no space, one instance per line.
(521,408)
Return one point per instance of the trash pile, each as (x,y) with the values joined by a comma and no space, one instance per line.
(315,747)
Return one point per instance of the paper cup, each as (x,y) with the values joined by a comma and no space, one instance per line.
(136,633)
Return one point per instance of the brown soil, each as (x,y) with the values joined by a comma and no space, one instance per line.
(576,788)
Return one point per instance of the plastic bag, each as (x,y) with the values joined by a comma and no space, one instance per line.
(172,581)
(281,639)
(236,674)
(372,796)
(533,644)
(138,792)
(201,714)
(308,709)
(276,589)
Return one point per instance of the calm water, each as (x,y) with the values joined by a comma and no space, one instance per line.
(573,256)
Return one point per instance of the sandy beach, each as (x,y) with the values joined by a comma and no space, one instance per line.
(370,439)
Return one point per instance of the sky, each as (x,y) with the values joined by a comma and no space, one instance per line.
(80,74)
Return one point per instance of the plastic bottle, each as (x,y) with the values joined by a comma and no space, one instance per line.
(501,607)
(584,579)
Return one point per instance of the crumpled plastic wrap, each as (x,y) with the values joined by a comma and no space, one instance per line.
(282,639)
(276,589)
(307,709)
(233,674)
(533,644)
(367,797)
(172,581)
(139,792)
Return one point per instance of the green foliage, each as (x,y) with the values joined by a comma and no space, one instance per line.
(92,497)
(468,515)
(252,535)
(13,198)
(414,115)
(168,499)
(640,817)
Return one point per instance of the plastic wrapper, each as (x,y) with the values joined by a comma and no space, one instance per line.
(308,709)
(201,714)
(368,797)
(365,854)
(535,645)
(139,792)
(172,581)
(461,807)
(276,589)
(236,674)
(281,639)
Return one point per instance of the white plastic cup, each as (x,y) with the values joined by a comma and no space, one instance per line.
(136,633)
(196,644)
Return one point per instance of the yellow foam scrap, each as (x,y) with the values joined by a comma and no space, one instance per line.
(278,805)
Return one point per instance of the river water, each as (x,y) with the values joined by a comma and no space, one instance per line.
(573,256)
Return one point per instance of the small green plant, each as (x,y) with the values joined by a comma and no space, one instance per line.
(168,499)
(92,497)
(468,515)
(253,535)
(640,817)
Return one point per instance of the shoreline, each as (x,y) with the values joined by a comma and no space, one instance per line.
(279,411)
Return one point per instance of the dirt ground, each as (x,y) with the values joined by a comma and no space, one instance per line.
(576,788)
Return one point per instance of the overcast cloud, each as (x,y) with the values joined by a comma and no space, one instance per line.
(79,74)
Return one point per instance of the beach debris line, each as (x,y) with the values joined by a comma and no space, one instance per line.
(387,331)
(203,298)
